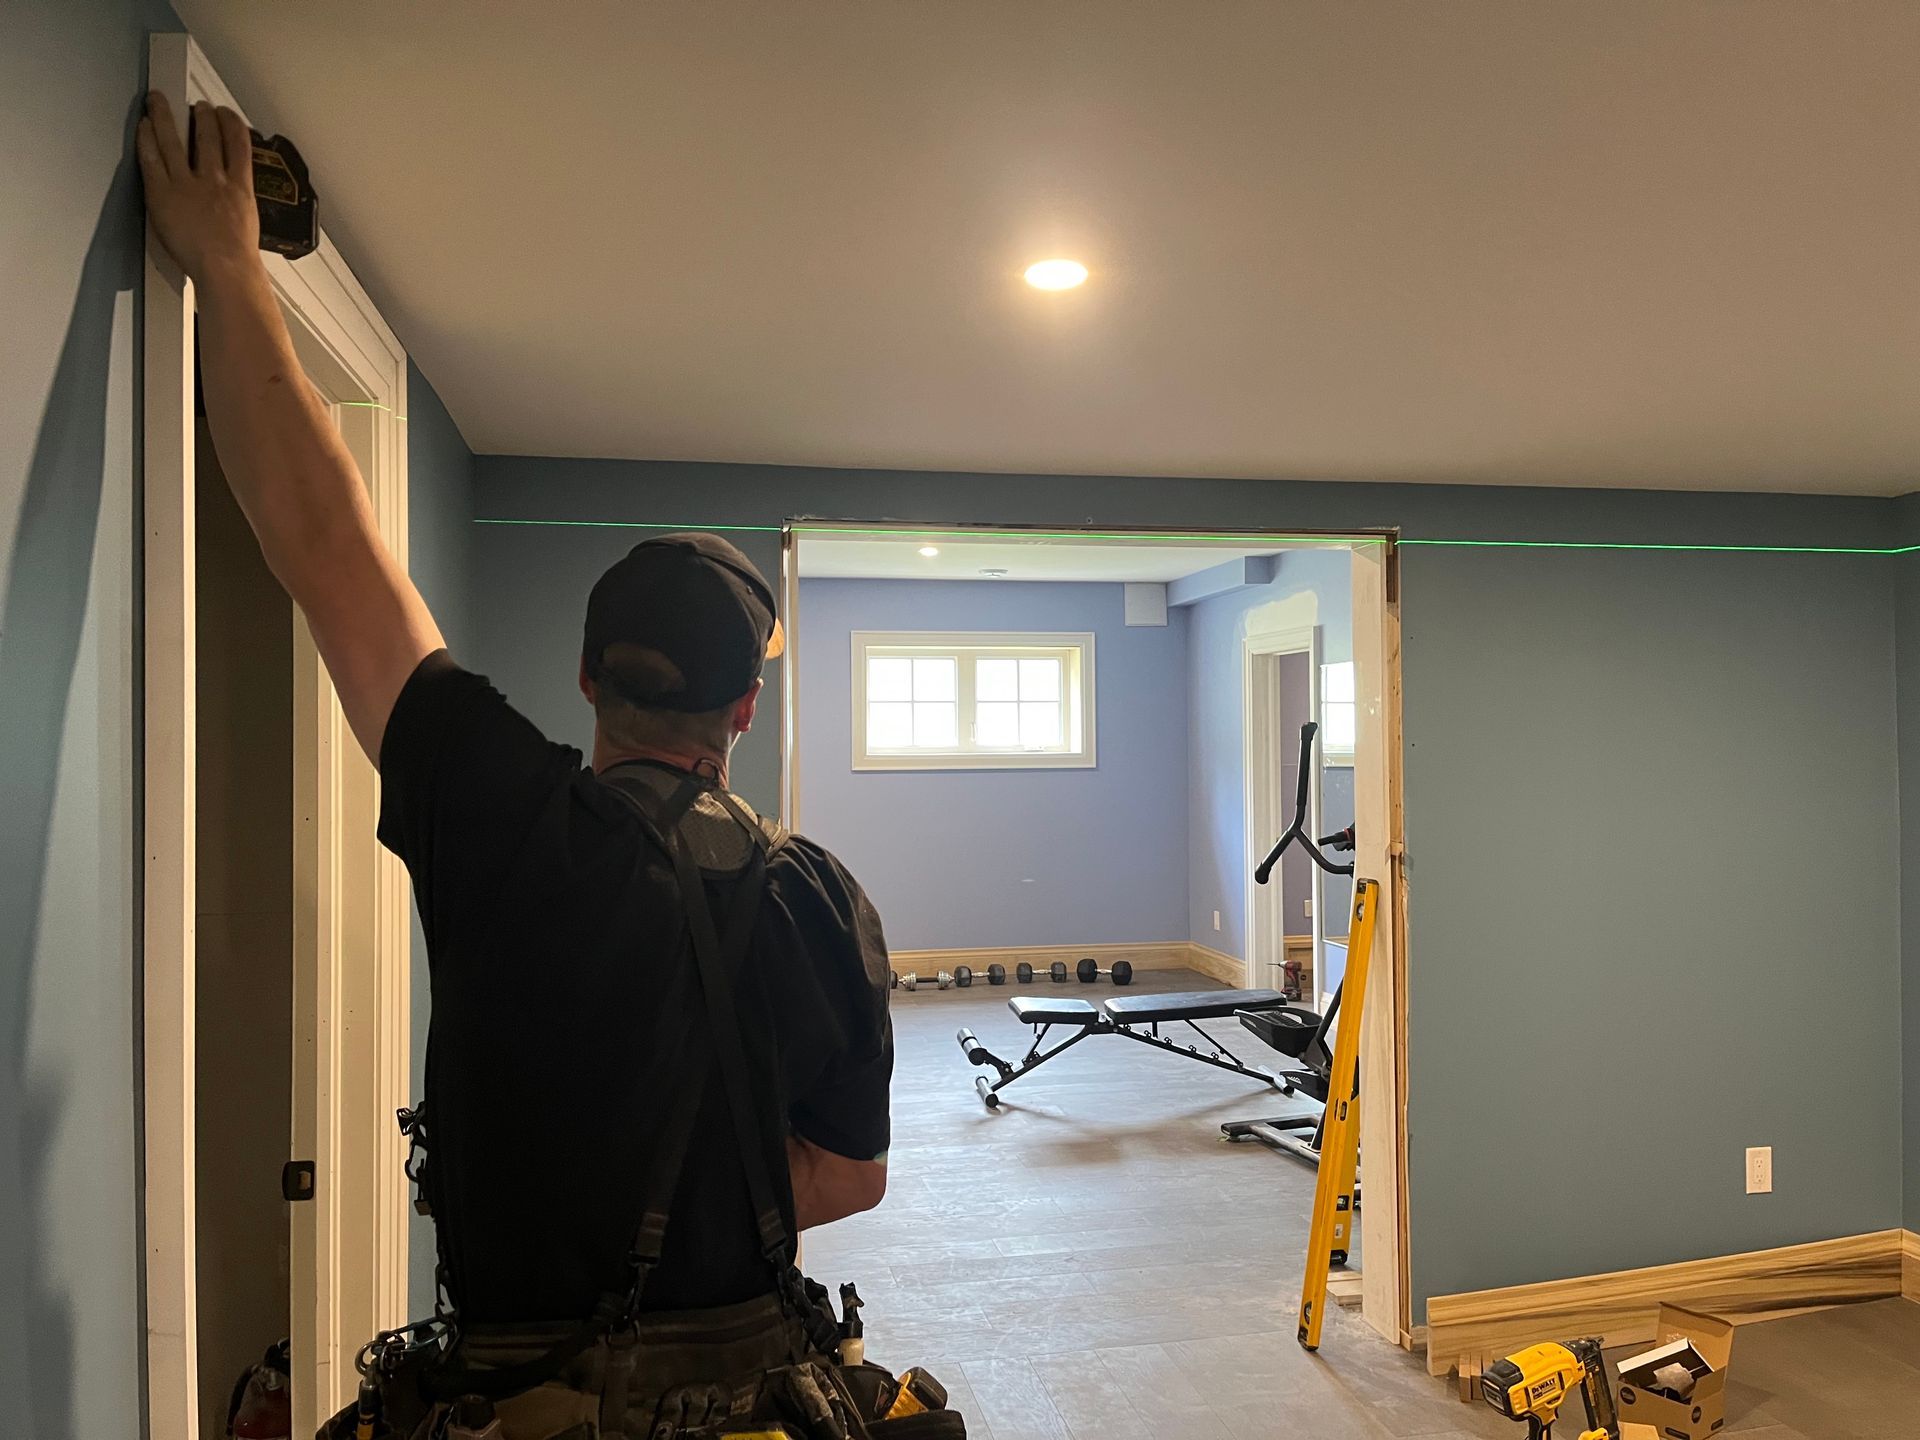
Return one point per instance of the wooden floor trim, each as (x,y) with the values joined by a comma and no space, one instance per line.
(1216,964)
(1910,1265)
(1759,1285)
(1150,955)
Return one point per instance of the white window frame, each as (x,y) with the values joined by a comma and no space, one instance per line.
(1078,716)
(1330,753)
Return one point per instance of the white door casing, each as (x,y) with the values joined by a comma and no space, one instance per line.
(352,934)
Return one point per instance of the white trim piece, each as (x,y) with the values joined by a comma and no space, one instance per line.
(1376,655)
(167,983)
(1286,627)
(353,941)
(1075,649)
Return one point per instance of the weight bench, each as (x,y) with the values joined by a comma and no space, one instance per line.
(1137,1017)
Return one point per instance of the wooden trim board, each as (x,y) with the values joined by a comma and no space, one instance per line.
(1215,964)
(352,944)
(1910,1265)
(1759,1285)
(1151,955)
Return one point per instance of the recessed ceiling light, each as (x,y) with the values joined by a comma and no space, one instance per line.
(929,551)
(1056,274)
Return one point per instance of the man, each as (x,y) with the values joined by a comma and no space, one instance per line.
(648,1004)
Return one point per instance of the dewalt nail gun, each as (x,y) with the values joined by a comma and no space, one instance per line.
(1533,1384)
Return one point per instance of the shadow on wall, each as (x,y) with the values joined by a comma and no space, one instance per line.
(40,634)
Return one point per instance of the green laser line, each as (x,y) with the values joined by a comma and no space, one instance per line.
(631,525)
(1643,545)
(1243,537)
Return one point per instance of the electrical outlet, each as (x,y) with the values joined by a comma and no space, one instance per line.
(1216,919)
(1306,908)
(1760,1170)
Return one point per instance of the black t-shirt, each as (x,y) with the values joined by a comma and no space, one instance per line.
(562,980)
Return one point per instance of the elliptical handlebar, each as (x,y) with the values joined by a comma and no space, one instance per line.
(1296,829)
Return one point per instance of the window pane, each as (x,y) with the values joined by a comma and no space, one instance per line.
(996,680)
(934,677)
(935,725)
(1336,683)
(1040,680)
(1039,725)
(996,723)
(889,726)
(1340,725)
(889,678)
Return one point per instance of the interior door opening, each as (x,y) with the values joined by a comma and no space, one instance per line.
(1004,854)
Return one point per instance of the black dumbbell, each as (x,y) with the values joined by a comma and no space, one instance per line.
(910,981)
(1056,972)
(1089,971)
(963,975)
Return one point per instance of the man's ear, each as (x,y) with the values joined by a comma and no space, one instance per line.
(744,707)
(586,681)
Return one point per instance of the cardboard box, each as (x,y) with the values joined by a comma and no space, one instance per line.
(1703,1345)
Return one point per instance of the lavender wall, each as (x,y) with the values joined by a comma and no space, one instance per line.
(956,859)
(1216,805)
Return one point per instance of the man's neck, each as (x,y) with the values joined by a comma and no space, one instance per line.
(700,760)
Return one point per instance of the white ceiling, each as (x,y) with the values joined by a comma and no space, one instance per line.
(839,557)
(1644,243)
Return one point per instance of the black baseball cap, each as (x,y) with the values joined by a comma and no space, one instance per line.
(684,622)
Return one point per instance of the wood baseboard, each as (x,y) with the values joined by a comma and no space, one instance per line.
(1910,1265)
(1216,964)
(1468,1329)
(1156,955)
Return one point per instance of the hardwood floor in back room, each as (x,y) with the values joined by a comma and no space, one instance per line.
(1094,1261)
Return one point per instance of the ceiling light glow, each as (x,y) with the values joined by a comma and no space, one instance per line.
(1056,274)
(929,551)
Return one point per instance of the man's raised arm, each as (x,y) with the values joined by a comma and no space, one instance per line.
(287,465)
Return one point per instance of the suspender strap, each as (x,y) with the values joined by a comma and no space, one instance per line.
(723,1025)
(661,1177)
(716,964)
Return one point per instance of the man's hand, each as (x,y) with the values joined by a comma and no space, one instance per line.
(203,211)
(283,456)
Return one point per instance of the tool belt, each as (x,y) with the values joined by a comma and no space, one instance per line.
(768,1367)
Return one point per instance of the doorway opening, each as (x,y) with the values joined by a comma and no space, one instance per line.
(1041,749)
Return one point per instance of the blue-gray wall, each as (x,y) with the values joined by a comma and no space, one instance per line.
(1653,839)
(964,858)
(1216,692)
(440,540)
(1908,626)
(71,72)
(1602,749)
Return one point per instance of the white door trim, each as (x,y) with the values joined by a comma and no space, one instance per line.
(352,933)
(1263,753)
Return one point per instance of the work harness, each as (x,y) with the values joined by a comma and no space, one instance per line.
(612,1376)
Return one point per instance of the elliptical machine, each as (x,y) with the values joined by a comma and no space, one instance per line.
(1301,1034)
